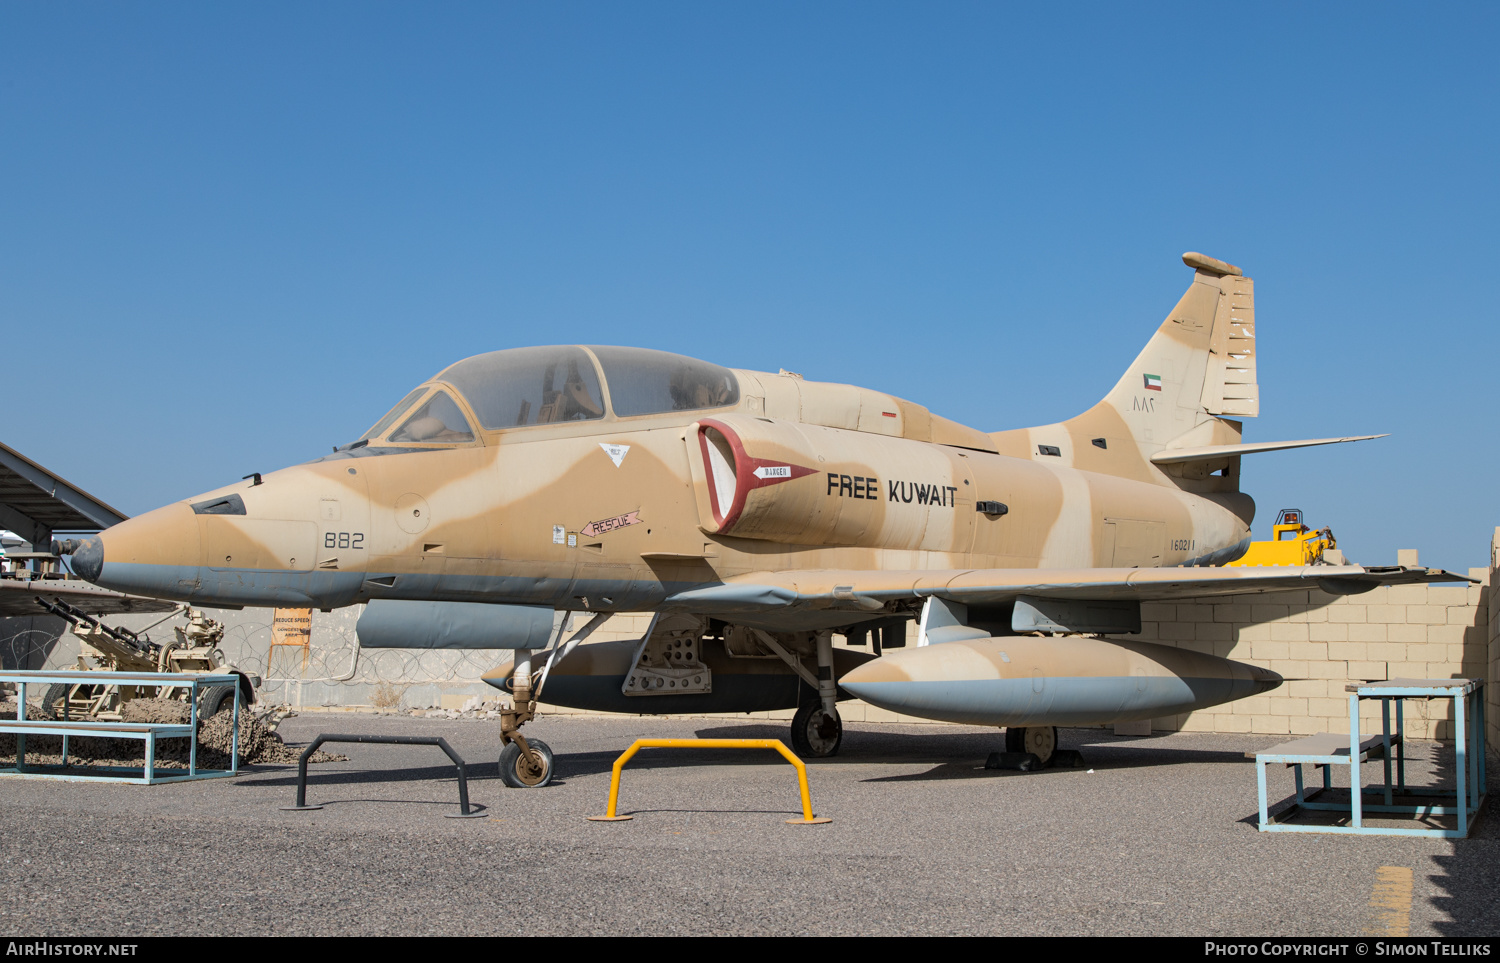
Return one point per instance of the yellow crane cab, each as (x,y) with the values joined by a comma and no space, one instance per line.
(1292,543)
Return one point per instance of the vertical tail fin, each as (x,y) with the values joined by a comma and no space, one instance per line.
(1197,368)
(1201,361)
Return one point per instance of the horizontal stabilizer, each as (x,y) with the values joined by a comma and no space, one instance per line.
(1173,456)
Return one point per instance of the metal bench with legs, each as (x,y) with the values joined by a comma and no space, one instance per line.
(148,733)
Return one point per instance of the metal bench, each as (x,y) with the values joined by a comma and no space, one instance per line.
(147,733)
(1327,750)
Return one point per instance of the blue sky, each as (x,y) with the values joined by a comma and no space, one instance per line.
(231,235)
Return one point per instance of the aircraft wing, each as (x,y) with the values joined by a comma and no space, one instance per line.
(18,598)
(785,593)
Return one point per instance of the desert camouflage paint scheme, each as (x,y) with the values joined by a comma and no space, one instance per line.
(763,512)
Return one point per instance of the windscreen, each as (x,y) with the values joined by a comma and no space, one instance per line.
(439,421)
(528,386)
(395,413)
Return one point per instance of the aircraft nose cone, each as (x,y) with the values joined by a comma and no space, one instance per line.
(88,559)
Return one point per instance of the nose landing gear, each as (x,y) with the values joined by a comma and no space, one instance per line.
(524,764)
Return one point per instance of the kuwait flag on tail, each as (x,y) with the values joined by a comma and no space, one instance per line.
(1153,382)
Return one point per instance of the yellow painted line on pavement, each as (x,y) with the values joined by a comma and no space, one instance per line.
(1391,901)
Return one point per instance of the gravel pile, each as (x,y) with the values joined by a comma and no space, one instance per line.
(259,744)
(473,708)
(168,711)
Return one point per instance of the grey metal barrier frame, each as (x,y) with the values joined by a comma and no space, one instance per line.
(464,810)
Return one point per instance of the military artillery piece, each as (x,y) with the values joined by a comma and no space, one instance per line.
(195,651)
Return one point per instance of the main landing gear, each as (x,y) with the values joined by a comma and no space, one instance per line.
(1040,741)
(817,729)
(816,732)
(1033,747)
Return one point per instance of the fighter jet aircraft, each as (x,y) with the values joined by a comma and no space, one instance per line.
(759,515)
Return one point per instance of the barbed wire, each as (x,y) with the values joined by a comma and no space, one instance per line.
(31,649)
(248,646)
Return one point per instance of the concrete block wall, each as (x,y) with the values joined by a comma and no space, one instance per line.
(1492,679)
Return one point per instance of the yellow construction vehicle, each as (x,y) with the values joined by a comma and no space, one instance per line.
(1292,543)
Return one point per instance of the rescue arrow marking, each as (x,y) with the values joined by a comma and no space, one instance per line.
(616,453)
(593,529)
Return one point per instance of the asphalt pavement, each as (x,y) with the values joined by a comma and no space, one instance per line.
(1155,836)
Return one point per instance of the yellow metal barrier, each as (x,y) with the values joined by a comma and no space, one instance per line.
(614,780)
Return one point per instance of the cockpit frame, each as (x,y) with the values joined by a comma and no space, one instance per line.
(643,381)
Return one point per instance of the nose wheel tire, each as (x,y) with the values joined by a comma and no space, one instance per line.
(815,732)
(1040,741)
(520,770)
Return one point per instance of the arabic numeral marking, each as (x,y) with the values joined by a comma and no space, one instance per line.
(1184,544)
(344,540)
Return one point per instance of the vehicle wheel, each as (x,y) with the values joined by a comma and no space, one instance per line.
(214,700)
(518,773)
(56,700)
(1040,741)
(816,733)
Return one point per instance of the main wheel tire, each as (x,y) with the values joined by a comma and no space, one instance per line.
(215,699)
(517,772)
(816,733)
(1040,741)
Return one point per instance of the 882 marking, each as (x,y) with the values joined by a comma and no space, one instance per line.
(344,540)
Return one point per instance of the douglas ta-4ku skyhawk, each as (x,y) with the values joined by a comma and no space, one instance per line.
(758,516)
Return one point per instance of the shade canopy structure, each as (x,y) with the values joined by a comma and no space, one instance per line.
(35,502)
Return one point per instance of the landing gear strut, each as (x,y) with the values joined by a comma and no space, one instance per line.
(817,729)
(523,764)
(527,764)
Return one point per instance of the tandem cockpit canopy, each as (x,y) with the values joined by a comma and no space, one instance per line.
(520,387)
